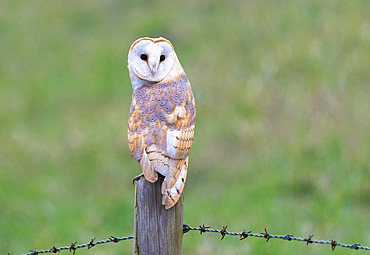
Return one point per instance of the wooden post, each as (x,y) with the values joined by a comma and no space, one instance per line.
(157,230)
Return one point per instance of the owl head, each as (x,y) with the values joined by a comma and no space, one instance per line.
(151,59)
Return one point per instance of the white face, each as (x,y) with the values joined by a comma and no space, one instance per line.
(151,59)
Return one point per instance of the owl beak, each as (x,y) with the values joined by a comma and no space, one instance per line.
(153,67)
(153,71)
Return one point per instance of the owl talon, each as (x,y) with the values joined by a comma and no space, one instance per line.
(137,178)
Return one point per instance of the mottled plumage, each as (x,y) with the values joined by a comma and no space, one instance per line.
(162,115)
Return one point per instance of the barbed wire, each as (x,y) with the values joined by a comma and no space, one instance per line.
(73,247)
(267,236)
(203,229)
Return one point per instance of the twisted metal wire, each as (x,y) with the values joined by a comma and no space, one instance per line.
(186,228)
(289,237)
(73,247)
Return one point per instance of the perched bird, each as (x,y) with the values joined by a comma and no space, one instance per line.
(162,115)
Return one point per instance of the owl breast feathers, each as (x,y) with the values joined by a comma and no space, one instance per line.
(161,129)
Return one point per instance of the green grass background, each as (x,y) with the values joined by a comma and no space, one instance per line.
(282,137)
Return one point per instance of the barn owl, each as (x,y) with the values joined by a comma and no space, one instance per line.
(162,115)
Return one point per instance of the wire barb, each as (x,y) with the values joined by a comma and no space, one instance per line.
(73,247)
(33,252)
(54,249)
(244,234)
(223,232)
(266,235)
(91,244)
(309,239)
(288,237)
(355,246)
(114,239)
(333,244)
(203,229)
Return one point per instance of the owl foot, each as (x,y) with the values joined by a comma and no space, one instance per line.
(137,178)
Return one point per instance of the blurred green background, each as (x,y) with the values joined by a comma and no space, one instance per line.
(283,126)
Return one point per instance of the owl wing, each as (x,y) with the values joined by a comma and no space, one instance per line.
(160,135)
(178,144)
(135,131)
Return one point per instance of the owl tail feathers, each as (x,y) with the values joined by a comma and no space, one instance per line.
(173,184)
(148,170)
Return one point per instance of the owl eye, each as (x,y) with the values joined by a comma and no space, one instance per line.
(162,58)
(144,57)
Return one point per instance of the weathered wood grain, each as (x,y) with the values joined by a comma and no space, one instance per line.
(157,230)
